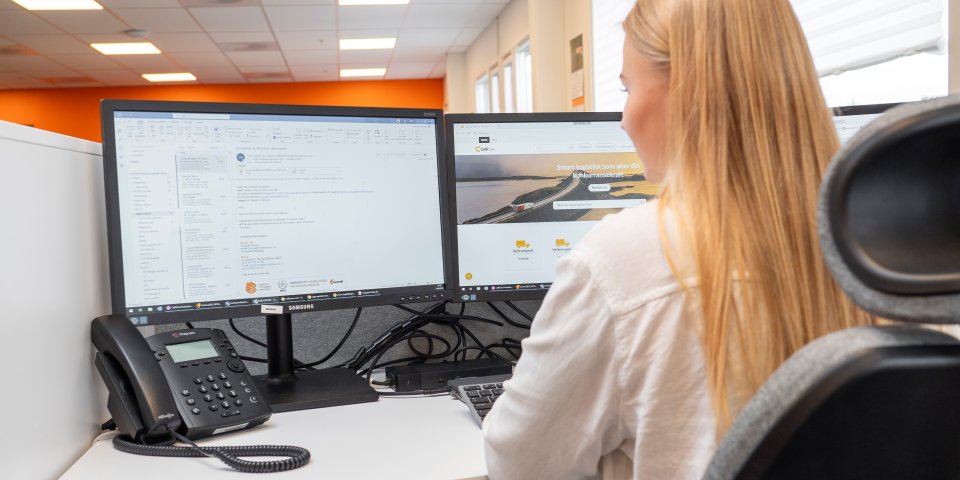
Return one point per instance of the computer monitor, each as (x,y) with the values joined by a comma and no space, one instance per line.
(218,210)
(526,188)
(849,120)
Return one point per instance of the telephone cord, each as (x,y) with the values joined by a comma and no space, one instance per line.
(297,456)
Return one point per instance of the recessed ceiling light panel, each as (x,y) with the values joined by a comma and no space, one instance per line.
(362,72)
(134,48)
(59,4)
(367,43)
(374,2)
(169,77)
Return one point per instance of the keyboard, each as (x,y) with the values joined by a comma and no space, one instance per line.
(478,393)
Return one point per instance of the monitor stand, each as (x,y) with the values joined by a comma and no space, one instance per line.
(286,390)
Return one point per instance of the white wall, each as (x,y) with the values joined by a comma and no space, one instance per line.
(53,252)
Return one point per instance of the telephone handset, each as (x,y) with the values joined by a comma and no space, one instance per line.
(181,385)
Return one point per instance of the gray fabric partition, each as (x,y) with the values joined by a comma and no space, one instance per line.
(315,334)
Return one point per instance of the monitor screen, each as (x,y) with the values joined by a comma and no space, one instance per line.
(850,120)
(527,188)
(227,210)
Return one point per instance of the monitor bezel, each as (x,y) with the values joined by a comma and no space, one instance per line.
(869,109)
(461,118)
(111,187)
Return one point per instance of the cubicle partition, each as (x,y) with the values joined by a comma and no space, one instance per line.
(53,281)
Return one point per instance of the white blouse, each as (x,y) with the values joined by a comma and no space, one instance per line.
(612,382)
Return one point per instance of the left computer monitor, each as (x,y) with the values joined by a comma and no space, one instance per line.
(219,210)
(850,120)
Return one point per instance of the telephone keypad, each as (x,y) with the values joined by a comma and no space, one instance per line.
(215,387)
(207,398)
(191,401)
(220,395)
(222,376)
(232,393)
(225,404)
(202,389)
(185,392)
(195,411)
(210,378)
(227,385)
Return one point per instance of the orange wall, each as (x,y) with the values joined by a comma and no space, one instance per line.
(76,111)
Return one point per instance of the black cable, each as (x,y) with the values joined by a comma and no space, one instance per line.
(373,365)
(517,309)
(297,456)
(481,351)
(447,315)
(356,318)
(505,317)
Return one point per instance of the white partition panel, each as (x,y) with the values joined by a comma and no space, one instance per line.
(53,281)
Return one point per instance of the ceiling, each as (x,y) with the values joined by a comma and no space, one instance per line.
(233,41)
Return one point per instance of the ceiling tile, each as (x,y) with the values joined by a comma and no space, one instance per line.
(364,17)
(159,20)
(84,21)
(427,37)
(112,4)
(297,2)
(310,57)
(269,79)
(218,75)
(20,21)
(147,63)
(231,19)
(35,66)
(117,77)
(483,15)
(220,3)
(298,19)
(419,55)
(251,59)
(409,70)
(52,44)
(183,42)
(326,77)
(104,37)
(201,59)
(366,56)
(467,36)
(314,70)
(90,61)
(263,69)
(439,70)
(239,37)
(307,40)
(370,33)
(430,16)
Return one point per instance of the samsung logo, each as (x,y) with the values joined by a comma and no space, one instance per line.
(299,307)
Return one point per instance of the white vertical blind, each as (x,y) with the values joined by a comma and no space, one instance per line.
(851,34)
(482,96)
(607,24)
(844,35)
(508,88)
(495,92)
(524,78)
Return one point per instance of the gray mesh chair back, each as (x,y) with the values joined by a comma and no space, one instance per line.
(874,402)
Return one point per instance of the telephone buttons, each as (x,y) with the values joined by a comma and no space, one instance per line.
(235,365)
(185,392)
(207,398)
(214,407)
(220,396)
(202,389)
(238,402)
(225,404)
(227,385)
(215,387)
(191,401)
(210,378)
(230,414)
(223,376)
(198,380)
(232,393)
(195,411)
(254,400)
(233,354)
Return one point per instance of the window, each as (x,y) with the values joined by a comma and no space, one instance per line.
(483,94)
(508,88)
(495,92)
(524,78)
(866,51)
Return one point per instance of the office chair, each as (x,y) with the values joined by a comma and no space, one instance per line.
(874,402)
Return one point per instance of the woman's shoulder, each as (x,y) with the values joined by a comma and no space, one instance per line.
(625,257)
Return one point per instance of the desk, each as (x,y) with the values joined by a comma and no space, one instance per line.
(397,438)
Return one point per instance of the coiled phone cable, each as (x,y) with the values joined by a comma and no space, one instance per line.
(297,456)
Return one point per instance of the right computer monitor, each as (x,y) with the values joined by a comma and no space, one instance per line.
(527,188)
(849,120)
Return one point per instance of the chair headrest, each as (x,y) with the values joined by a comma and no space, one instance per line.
(889,214)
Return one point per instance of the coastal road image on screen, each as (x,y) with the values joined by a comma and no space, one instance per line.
(548,187)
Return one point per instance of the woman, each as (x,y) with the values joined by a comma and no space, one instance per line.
(667,318)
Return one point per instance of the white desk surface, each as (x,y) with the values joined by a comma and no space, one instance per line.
(397,438)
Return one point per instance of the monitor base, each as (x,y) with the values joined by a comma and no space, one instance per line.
(315,389)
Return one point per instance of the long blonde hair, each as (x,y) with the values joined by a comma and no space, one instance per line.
(749,138)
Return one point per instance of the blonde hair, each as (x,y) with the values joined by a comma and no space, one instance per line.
(749,137)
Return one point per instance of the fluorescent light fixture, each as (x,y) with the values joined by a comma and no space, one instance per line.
(374,2)
(362,72)
(169,77)
(59,4)
(367,43)
(135,48)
